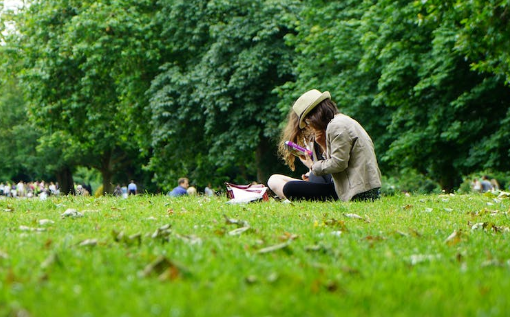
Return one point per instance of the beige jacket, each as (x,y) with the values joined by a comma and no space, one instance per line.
(349,158)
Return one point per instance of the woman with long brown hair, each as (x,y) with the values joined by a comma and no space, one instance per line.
(348,153)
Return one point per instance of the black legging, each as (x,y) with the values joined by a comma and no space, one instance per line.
(302,190)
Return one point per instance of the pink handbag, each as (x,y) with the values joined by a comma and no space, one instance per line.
(246,193)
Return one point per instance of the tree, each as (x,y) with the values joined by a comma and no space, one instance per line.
(445,108)
(479,35)
(18,138)
(86,67)
(329,46)
(396,65)
(214,113)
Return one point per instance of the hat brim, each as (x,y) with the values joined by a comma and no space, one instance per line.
(325,95)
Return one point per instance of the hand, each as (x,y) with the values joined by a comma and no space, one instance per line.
(305,177)
(307,161)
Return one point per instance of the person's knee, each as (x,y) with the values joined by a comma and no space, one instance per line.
(274,182)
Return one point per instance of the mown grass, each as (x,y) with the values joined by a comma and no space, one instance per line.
(317,259)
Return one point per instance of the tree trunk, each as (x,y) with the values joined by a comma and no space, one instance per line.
(107,181)
(267,160)
(65,181)
(449,178)
(107,173)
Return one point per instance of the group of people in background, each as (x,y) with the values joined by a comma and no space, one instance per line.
(39,189)
(29,189)
(183,188)
(44,189)
(126,191)
(485,185)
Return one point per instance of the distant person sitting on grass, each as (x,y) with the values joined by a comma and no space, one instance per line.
(181,189)
(495,185)
(192,191)
(208,191)
(476,185)
(486,184)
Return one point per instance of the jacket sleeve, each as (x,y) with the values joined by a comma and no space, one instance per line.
(339,144)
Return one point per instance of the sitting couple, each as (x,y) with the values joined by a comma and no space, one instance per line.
(343,165)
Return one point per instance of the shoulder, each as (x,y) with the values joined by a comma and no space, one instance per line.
(341,123)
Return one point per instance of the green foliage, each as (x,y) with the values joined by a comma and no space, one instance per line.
(156,90)
(86,69)
(434,93)
(398,68)
(409,181)
(18,138)
(329,45)
(213,109)
(84,175)
(481,28)
(198,256)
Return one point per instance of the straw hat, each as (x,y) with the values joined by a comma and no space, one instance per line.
(307,102)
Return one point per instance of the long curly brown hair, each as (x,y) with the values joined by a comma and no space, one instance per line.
(292,132)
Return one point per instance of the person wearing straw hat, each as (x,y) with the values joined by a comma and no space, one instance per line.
(348,153)
(303,138)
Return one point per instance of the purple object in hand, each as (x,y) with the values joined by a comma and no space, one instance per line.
(298,150)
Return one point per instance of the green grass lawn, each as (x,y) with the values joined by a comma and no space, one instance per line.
(446,255)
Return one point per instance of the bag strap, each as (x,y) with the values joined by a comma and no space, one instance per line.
(244,186)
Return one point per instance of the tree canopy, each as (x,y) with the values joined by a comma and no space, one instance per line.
(85,68)
(171,88)
(214,112)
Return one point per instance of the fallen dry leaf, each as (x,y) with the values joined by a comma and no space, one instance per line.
(401,233)
(479,226)
(492,262)
(420,258)
(134,239)
(164,269)
(287,235)
(190,239)
(414,232)
(275,247)
(162,233)
(238,231)
(336,223)
(374,238)
(88,243)
(52,259)
(317,248)
(239,223)
(43,222)
(454,238)
(72,213)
